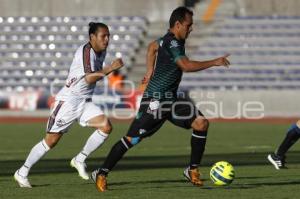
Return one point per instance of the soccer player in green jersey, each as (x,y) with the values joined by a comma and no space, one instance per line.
(166,61)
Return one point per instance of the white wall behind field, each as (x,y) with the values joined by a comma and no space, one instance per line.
(152,9)
(248,103)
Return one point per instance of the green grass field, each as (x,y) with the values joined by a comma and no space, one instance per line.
(153,169)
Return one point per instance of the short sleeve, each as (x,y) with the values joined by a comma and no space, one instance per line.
(176,49)
(86,58)
(158,41)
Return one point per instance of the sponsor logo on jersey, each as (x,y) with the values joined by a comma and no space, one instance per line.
(174,44)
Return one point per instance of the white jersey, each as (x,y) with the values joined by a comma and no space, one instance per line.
(85,60)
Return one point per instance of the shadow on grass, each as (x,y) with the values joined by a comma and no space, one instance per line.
(159,184)
(259,184)
(180,183)
(144,162)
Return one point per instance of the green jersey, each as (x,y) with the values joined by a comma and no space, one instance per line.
(167,75)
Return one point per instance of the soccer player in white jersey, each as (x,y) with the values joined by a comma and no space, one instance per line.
(73,102)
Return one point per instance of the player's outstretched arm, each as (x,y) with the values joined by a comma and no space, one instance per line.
(91,78)
(191,66)
(150,61)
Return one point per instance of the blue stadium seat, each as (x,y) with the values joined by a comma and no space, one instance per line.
(37,45)
(264,55)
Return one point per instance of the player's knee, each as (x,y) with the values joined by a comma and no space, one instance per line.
(51,142)
(106,129)
(200,124)
(294,130)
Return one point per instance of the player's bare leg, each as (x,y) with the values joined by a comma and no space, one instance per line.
(36,153)
(198,141)
(52,139)
(103,129)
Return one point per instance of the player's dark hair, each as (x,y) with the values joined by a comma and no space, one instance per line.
(179,15)
(94,27)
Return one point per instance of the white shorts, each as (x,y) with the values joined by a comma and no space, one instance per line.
(65,113)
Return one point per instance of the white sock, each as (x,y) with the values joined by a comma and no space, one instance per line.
(36,153)
(94,141)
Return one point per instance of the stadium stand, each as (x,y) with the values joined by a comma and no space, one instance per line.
(36,51)
(264,55)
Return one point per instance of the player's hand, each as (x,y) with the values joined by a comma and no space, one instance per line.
(117,64)
(222,61)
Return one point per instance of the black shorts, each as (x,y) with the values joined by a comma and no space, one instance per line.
(152,114)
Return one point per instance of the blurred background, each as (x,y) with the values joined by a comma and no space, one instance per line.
(38,40)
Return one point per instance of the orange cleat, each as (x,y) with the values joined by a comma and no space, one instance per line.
(193,175)
(101,183)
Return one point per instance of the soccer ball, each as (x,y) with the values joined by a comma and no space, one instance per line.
(222,173)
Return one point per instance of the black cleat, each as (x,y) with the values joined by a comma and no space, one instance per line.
(277,161)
